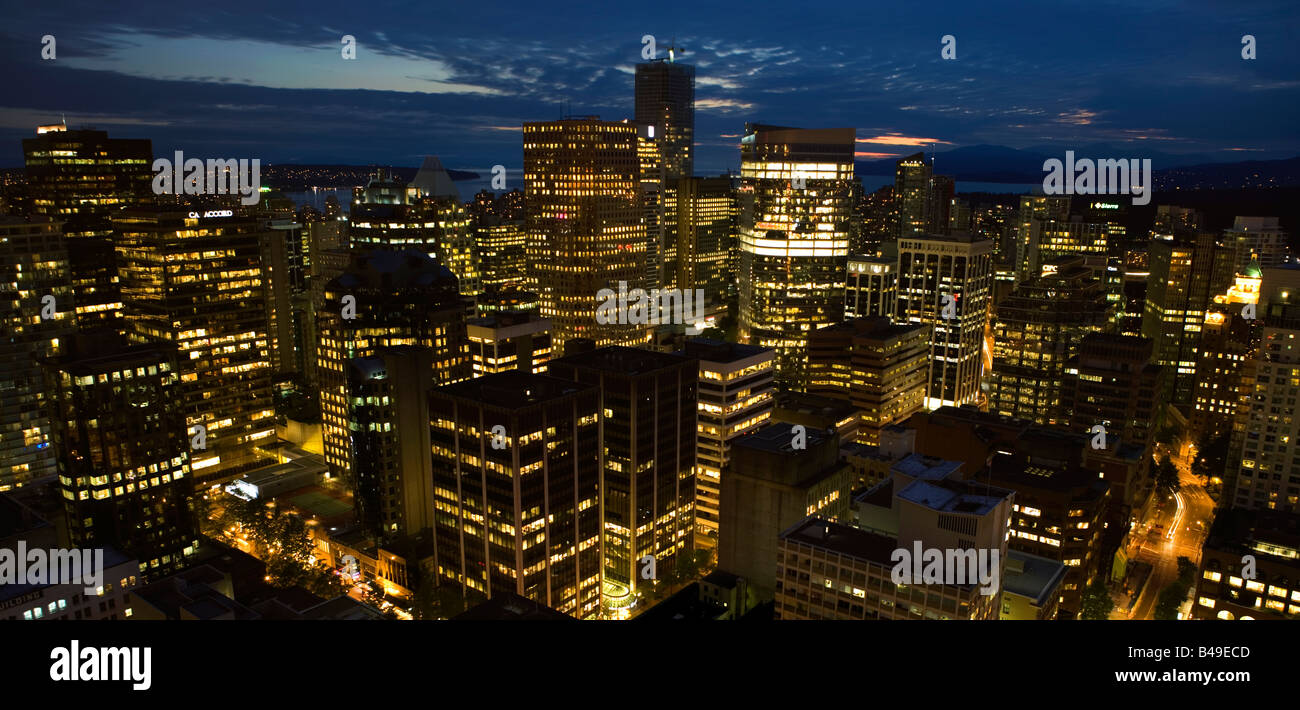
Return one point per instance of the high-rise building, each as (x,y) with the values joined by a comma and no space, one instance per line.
(1270,540)
(517,489)
(1266,474)
(389,214)
(648,434)
(1114,382)
(871,288)
(502,247)
(385,298)
(1038,328)
(878,366)
(81,178)
(945,282)
(1060,513)
(939,199)
(1259,241)
(509,340)
(585,223)
(735,398)
(287,298)
(388,416)
(199,284)
(698,236)
(1229,341)
(912,195)
(793,238)
(1034,207)
(665,99)
(1186,273)
(771,485)
(37,315)
(124,455)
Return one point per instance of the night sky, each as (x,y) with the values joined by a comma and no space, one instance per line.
(456,80)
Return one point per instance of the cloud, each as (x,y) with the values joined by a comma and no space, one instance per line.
(898,139)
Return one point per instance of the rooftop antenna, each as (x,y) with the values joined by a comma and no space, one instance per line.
(673,49)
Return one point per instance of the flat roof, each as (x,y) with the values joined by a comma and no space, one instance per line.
(1037,579)
(923,467)
(624,360)
(512,389)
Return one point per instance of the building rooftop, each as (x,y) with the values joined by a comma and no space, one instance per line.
(511,607)
(926,467)
(955,497)
(1031,576)
(777,438)
(710,350)
(845,540)
(512,389)
(623,360)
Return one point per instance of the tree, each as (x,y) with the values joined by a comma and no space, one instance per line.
(1211,457)
(1167,476)
(1097,603)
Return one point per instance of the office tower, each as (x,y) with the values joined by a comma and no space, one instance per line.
(1133,290)
(871,288)
(585,225)
(123,451)
(1170,219)
(960,218)
(1186,273)
(698,236)
(388,214)
(502,251)
(1051,238)
(388,415)
(939,200)
(1259,241)
(945,282)
(519,512)
(82,178)
(653,187)
(817,411)
(384,298)
(509,299)
(1037,330)
(665,99)
(1060,513)
(924,505)
(1035,207)
(1229,341)
(38,312)
(912,195)
(793,238)
(199,284)
(509,340)
(287,298)
(1114,382)
(879,221)
(735,398)
(1266,475)
(771,485)
(878,366)
(649,401)
(1225,591)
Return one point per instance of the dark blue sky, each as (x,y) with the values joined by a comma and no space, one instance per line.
(456,80)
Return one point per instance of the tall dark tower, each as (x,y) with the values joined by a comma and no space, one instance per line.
(665,99)
(82,178)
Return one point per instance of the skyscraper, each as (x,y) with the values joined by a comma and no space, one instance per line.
(794,239)
(385,298)
(648,431)
(879,366)
(124,455)
(1186,273)
(37,316)
(392,215)
(1037,329)
(872,287)
(665,99)
(517,488)
(585,223)
(946,282)
(198,283)
(1259,241)
(735,398)
(81,178)
(912,195)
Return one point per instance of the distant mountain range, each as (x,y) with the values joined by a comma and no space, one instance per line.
(995,163)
